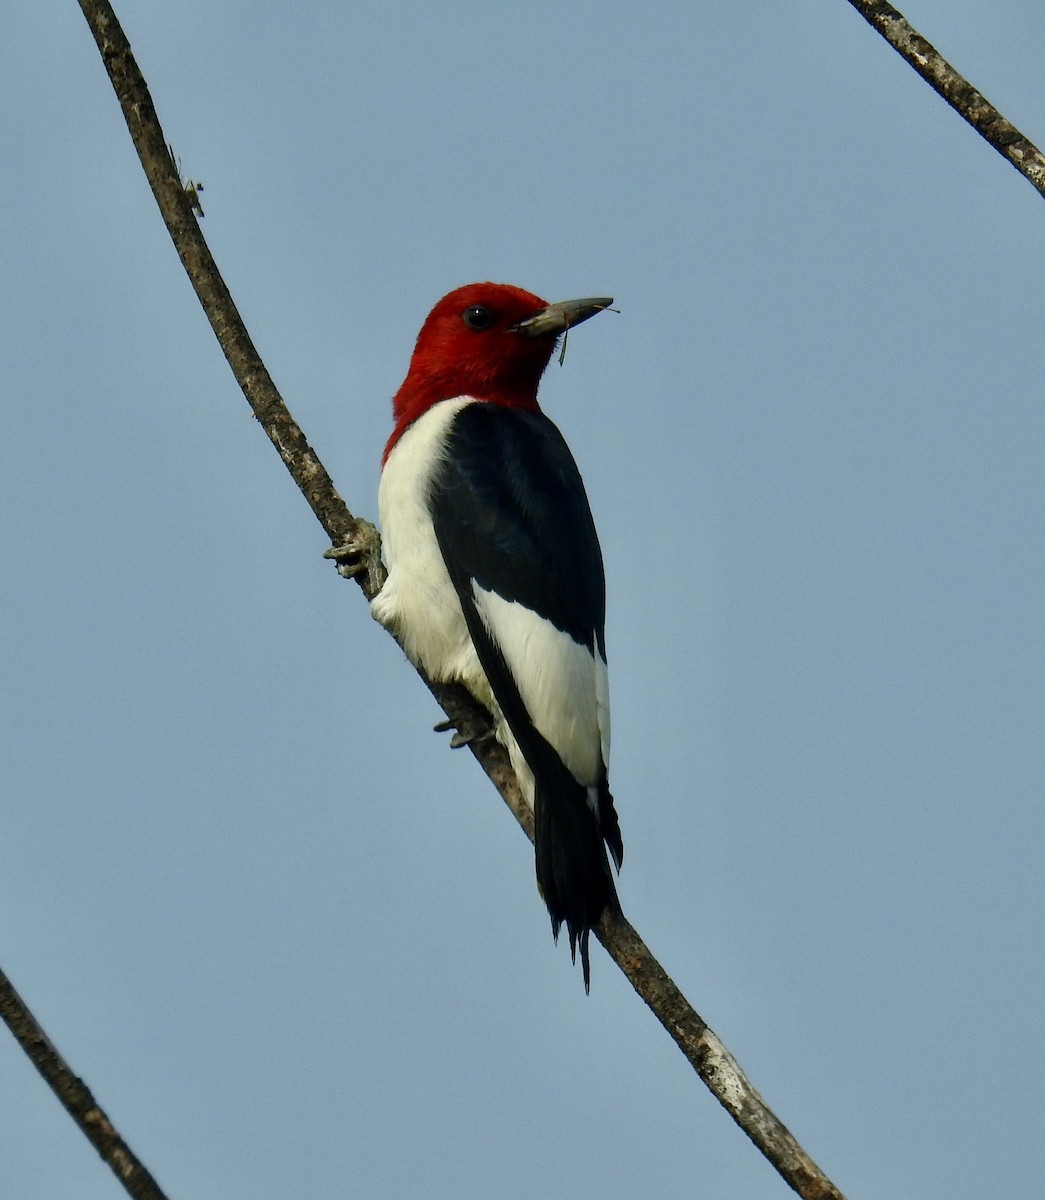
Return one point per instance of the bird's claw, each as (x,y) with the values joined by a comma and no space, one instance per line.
(361,555)
(462,737)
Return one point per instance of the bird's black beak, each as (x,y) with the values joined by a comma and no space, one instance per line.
(557,318)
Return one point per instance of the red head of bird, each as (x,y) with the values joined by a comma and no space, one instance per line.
(487,340)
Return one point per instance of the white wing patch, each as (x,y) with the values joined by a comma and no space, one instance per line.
(564,686)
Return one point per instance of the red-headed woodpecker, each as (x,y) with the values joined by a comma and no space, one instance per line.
(495,576)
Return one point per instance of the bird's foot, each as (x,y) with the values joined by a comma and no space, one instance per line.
(361,555)
(464,737)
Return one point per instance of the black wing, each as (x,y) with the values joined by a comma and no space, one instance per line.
(510,512)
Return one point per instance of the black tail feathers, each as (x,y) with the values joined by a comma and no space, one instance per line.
(573,871)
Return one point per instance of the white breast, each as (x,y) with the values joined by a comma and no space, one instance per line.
(418,602)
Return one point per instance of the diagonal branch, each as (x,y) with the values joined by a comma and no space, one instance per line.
(76,1096)
(176,202)
(955,89)
(698,1043)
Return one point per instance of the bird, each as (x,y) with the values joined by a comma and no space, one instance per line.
(495,574)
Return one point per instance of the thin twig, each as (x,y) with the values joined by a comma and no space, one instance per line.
(699,1044)
(76,1096)
(955,89)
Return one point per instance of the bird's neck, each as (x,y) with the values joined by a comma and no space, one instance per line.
(416,397)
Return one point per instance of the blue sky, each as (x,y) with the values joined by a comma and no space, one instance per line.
(292,941)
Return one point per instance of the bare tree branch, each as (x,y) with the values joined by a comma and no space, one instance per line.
(698,1043)
(955,89)
(176,203)
(76,1096)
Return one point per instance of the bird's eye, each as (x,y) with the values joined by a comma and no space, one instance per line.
(478,317)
